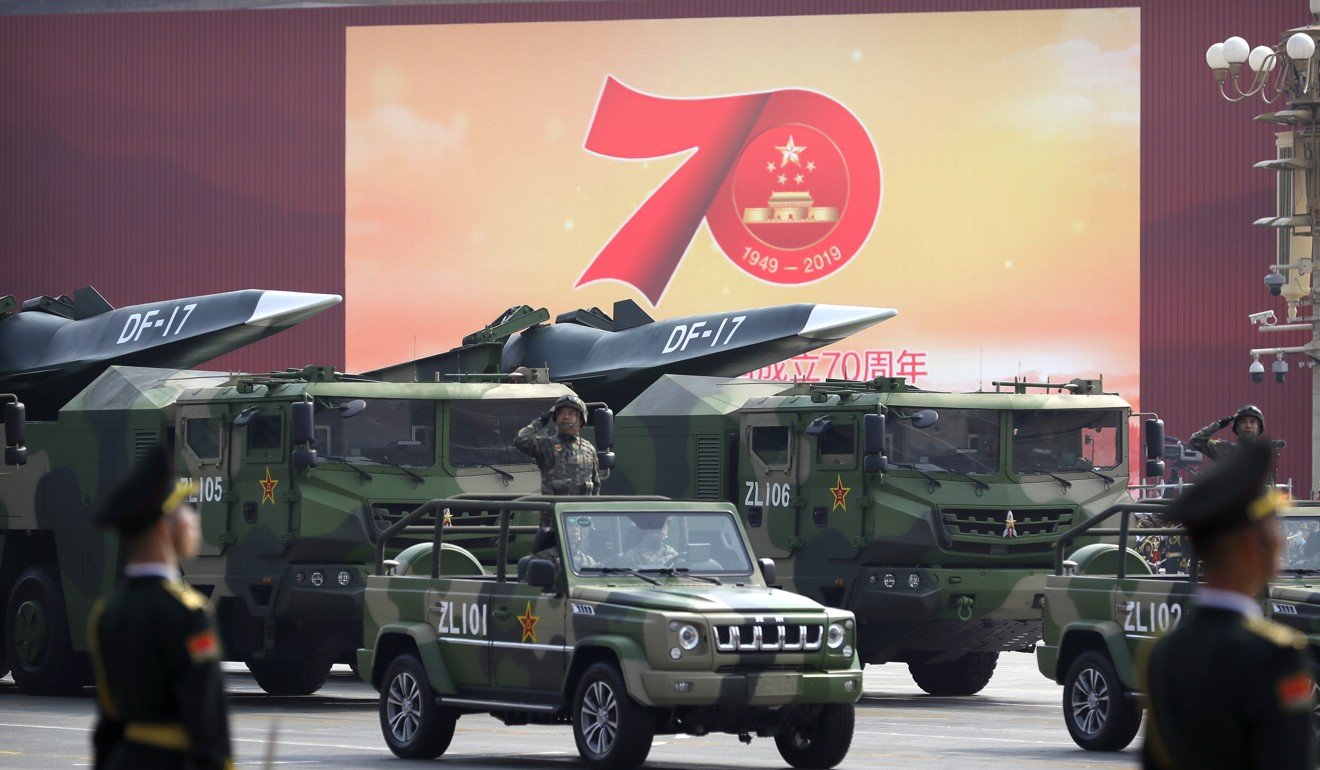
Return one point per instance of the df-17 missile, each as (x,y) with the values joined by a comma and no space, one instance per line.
(53,347)
(613,359)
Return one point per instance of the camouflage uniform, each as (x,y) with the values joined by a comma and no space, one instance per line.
(650,554)
(1218,449)
(568,464)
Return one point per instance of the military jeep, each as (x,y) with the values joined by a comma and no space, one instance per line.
(627,618)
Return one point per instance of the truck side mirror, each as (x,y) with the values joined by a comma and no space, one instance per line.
(767,570)
(605,460)
(304,458)
(301,413)
(1155,469)
(541,573)
(603,421)
(873,439)
(15,433)
(1154,440)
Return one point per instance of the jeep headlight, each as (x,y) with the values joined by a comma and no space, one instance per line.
(835,636)
(688,637)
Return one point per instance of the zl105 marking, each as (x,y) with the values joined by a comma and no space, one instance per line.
(468,620)
(768,494)
(210,489)
(1155,617)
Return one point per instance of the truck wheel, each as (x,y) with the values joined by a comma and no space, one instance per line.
(1099,714)
(821,743)
(37,642)
(967,675)
(285,676)
(413,725)
(612,731)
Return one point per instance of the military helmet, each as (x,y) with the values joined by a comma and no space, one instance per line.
(573,401)
(1250,410)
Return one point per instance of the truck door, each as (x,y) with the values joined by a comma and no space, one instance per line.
(202,457)
(835,487)
(528,641)
(261,510)
(766,490)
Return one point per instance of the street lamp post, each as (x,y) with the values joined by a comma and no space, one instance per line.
(1287,77)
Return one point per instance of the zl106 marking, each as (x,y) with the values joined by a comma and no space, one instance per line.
(1151,616)
(768,494)
(468,620)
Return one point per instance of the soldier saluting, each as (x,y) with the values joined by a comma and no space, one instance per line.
(567,461)
(154,646)
(1248,424)
(1228,688)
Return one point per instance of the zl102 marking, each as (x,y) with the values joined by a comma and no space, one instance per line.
(769,494)
(469,619)
(1151,616)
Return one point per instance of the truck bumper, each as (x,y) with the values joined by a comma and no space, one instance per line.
(769,688)
(948,594)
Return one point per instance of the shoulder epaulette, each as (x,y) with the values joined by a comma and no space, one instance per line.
(1277,633)
(186,594)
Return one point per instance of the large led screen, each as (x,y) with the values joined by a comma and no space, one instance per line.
(976,171)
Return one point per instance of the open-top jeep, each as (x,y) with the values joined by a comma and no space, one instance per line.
(629,617)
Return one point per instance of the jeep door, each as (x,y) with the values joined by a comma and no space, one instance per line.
(528,643)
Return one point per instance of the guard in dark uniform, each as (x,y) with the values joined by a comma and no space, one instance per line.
(1228,688)
(154,645)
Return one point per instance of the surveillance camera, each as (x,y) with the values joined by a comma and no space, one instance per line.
(1257,371)
(1266,318)
(1280,369)
(1274,282)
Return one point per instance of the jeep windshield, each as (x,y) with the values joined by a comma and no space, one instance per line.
(962,441)
(481,433)
(1301,537)
(678,544)
(1062,440)
(388,431)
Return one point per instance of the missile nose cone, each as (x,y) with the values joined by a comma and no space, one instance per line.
(835,322)
(285,308)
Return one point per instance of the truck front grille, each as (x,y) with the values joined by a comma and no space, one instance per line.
(770,636)
(992,522)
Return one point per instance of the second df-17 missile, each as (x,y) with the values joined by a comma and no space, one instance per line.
(615,358)
(53,347)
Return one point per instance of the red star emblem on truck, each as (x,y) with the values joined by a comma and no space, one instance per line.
(840,493)
(268,487)
(528,621)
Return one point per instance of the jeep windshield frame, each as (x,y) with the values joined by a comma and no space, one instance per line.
(674,543)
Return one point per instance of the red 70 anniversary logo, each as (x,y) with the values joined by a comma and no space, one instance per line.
(787,181)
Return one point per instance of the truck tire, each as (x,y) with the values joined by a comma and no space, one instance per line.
(38,645)
(967,675)
(413,725)
(4,668)
(612,731)
(821,743)
(286,676)
(1096,707)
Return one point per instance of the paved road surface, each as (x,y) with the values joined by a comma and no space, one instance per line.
(1015,722)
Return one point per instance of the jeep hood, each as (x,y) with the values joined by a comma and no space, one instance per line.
(703,599)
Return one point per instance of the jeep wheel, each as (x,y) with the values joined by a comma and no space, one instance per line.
(967,675)
(413,725)
(611,730)
(287,676)
(1099,714)
(820,743)
(37,642)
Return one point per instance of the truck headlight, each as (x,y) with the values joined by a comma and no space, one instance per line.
(835,637)
(914,580)
(344,577)
(889,580)
(318,578)
(688,637)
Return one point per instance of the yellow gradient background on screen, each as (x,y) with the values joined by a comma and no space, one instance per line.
(1008,231)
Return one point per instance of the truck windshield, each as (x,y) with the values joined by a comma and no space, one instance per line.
(1301,535)
(481,433)
(688,542)
(1062,440)
(962,441)
(388,431)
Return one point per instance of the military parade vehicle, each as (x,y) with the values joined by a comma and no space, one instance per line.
(932,516)
(297,471)
(631,617)
(1105,605)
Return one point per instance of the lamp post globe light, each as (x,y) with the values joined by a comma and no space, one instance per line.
(1286,76)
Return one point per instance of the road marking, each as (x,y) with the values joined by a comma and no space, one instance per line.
(960,737)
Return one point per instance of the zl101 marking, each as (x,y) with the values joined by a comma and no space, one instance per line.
(768,494)
(1151,616)
(469,619)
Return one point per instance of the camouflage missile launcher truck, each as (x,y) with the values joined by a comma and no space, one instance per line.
(1101,612)
(632,617)
(298,473)
(931,516)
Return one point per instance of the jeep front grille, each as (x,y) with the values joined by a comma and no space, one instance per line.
(768,637)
